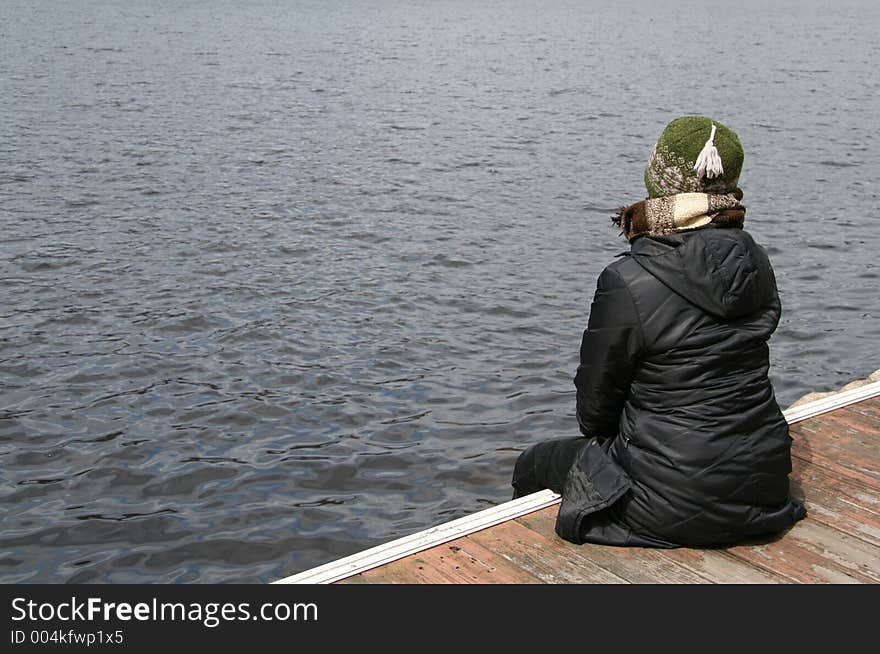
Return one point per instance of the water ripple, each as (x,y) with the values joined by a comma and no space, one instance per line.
(283,288)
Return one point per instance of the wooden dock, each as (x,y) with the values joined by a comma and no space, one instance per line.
(836,471)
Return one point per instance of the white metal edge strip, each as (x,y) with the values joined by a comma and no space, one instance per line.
(397,549)
(443,533)
(831,402)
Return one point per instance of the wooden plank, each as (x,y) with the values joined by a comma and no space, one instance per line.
(544,558)
(479,564)
(700,566)
(814,553)
(458,562)
(721,568)
(636,565)
(839,447)
(869,408)
(354,579)
(867,413)
(843,504)
(859,420)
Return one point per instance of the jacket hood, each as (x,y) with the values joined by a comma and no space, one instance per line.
(722,271)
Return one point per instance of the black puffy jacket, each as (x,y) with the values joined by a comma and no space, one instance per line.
(686,443)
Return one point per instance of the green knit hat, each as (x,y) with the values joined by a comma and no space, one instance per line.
(694,154)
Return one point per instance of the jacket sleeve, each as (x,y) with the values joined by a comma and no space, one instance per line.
(610,349)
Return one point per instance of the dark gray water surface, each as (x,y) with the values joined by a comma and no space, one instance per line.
(284,280)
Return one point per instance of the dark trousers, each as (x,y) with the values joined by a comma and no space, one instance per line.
(545,465)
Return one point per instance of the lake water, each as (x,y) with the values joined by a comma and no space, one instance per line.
(285,280)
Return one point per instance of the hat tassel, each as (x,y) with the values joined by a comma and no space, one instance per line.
(709,161)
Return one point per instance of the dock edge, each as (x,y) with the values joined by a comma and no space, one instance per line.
(443,533)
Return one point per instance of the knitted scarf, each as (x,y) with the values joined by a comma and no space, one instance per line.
(680,212)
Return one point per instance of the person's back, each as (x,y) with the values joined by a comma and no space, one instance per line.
(684,443)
